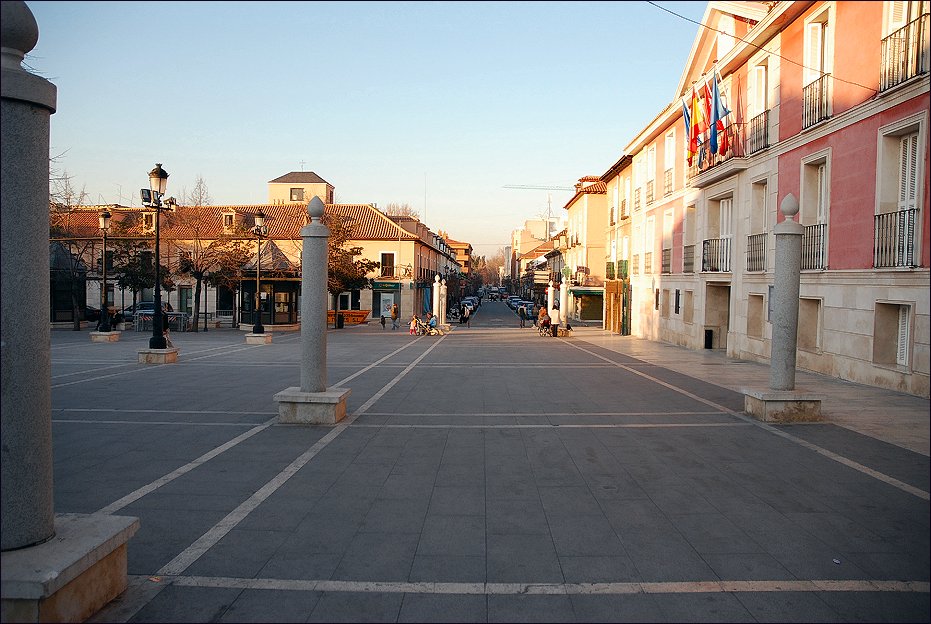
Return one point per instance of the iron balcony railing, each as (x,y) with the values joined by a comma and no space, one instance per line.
(623,212)
(758,138)
(609,270)
(730,145)
(816,98)
(622,269)
(387,271)
(894,239)
(635,265)
(647,262)
(649,191)
(688,259)
(756,252)
(716,255)
(667,261)
(667,182)
(636,199)
(813,247)
(905,53)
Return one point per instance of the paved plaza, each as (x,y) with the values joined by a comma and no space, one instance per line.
(490,475)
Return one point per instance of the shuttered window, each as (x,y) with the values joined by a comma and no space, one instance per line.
(901,353)
(908,168)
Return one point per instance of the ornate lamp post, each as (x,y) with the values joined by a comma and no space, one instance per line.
(104,309)
(260,230)
(152,197)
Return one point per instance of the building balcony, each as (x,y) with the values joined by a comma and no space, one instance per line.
(716,255)
(708,166)
(758,137)
(894,239)
(666,261)
(756,253)
(688,259)
(813,247)
(816,101)
(905,53)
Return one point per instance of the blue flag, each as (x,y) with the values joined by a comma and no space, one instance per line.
(718,113)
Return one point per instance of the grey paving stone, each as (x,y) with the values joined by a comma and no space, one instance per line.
(714,533)
(239,553)
(616,608)
(448,569)
(878,606)
(787,607)
(530,608)
(269,605)
(584,535)
(522,559)
(515,515)
(187,604)
(357,607)
(453,535)
(297,564)
(443,608)
(568,499)
(378,557)
(458,501)
(747,567)
(719,607)
(395,516)
(599,569)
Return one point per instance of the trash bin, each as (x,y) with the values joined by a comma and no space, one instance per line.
(709,339)
(340,322)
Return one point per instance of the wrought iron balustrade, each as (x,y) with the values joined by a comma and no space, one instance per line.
(816,98)
(813,247)
(756,252)
(905,53)
(716,255)
(894,239)
(758,138)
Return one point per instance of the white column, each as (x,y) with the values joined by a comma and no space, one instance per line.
(550,293)
(443,303)
(436,297)
(563,303)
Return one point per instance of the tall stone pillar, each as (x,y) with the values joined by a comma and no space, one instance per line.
(55,568)
(443,303)
(312,402)
(781,402)
(786,287)
(28,102)
(550,297)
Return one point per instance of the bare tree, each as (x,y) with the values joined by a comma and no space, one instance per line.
(73,250)
(400,210)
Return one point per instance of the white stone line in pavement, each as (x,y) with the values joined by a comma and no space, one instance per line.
(192,553)
(905,487)
(171,476)
(378,362)
(124,410)
(550,426)
(513,589)
(547,414)
(151,422)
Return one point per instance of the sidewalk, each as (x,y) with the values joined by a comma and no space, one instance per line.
(893,417)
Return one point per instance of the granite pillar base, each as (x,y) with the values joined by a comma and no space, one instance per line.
(110,336)
(312,408)
(159,356)
(255,339)
(70,577)
(783,406)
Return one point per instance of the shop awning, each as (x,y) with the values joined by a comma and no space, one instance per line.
(586,290)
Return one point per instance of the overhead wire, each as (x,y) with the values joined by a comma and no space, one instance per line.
(753,45)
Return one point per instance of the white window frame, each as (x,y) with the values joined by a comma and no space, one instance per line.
(819,44)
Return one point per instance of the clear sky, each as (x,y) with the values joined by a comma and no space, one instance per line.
(435,105)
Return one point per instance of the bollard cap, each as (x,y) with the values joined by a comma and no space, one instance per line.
(315,208)
(789,206)
(19,33)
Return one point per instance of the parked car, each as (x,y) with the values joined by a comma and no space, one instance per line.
(91,313)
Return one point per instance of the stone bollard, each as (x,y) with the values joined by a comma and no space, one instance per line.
(782,402)
(312,403)
(55,567)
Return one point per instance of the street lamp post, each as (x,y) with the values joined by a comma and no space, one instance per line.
(152,197)
(104,309)
(259,230)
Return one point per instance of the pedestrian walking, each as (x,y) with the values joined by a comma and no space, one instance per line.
(467,315)
(413,325)
(395,314)
(383,322)
(522,314)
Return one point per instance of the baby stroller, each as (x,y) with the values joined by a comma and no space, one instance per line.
(545,327)
(423,329)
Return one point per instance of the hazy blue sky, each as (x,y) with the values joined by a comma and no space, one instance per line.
(437,105)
